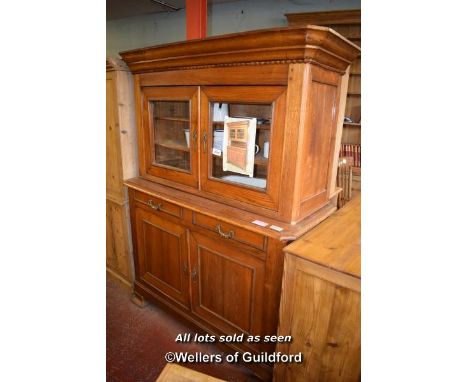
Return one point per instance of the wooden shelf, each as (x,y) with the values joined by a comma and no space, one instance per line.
(173,146)
(175,119)
(259,160)
(353,94)
(352,124)
(218,125)
(327,18)
(263,126)
(181,165)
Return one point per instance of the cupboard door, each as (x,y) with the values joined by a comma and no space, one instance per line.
(162,251)
(241,156)
(170,133)
(227,285)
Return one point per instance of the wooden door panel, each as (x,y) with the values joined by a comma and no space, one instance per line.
(163,255)
(163,266)
(326,323)
(113,155)
(317,139)
(228,288)
(227,292)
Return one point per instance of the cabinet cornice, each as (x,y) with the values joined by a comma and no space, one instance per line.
(309,44)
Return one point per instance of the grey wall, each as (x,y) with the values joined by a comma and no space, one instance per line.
(235,16)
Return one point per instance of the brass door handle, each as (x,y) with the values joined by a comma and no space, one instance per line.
(194,274)
(204,139)
(186,269)
(194,138)
(156,207)
(224,235)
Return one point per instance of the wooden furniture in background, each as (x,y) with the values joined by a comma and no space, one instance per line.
(197,251)
(348,24)
(121,164)
(173,372)
(345,182)
(321,301)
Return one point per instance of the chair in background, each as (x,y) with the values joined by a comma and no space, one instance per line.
(345,180)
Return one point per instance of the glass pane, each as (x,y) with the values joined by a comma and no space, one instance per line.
(171,121)
(240,143)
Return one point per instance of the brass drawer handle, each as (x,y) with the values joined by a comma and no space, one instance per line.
(156,207)
(225,235)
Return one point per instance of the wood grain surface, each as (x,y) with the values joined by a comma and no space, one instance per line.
(316,44)
(176,373)
(336,242)
(321,301)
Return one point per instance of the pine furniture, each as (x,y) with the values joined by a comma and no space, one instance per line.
(173,372)
(321,301)
(121,164)
(199,249)
(348,24)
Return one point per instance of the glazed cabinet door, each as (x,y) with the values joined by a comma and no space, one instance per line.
(162,255)
(242,142)
(169,136)
(227,285)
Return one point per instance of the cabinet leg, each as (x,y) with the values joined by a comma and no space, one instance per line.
(138,300)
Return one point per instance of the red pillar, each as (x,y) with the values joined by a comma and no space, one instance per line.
(195,18)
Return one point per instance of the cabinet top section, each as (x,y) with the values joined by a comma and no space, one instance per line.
(336,242)
(309,44)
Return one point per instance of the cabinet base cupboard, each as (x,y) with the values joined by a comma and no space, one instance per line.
(208,235)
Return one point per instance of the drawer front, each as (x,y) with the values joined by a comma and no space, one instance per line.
(229,232)
(157,204)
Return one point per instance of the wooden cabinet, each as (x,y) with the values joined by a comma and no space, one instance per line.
(209,234)
(210,270)
(121,164)
(291,81)
(321,301)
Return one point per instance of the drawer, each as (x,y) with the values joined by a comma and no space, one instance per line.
(157,204)
(229,232)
